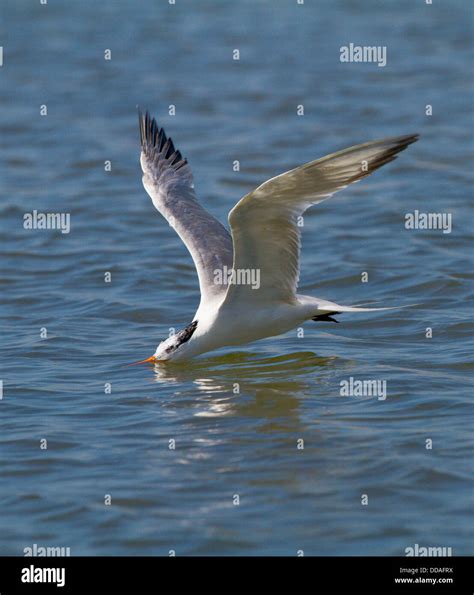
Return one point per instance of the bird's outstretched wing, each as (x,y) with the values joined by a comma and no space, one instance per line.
(264,223)
(168,180)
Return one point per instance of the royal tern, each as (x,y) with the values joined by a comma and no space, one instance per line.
(258,298)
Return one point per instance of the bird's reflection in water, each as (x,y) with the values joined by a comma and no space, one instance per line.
(246,384)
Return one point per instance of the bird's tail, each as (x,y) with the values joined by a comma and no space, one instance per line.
(328,316)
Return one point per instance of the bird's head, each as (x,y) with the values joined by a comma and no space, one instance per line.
(173,348)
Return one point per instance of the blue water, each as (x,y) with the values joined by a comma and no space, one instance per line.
(236,415)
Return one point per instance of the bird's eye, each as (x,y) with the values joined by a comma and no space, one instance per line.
(169,349)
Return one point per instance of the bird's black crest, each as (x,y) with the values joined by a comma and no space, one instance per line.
(186,333)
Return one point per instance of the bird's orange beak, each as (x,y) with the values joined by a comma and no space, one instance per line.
(151,359)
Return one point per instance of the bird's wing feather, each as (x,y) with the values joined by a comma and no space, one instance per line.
(168,180)
(264,223)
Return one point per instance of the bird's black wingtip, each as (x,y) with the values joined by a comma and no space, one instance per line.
(153,139)
(325,317)
(146,124)
(412,138)
(141,125)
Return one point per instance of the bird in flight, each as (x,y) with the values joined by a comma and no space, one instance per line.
(248,278)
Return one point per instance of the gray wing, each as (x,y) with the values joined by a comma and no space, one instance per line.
(264,223)
(168,180)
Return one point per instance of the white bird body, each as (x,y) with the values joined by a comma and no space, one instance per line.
(265,241)
(226,325)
